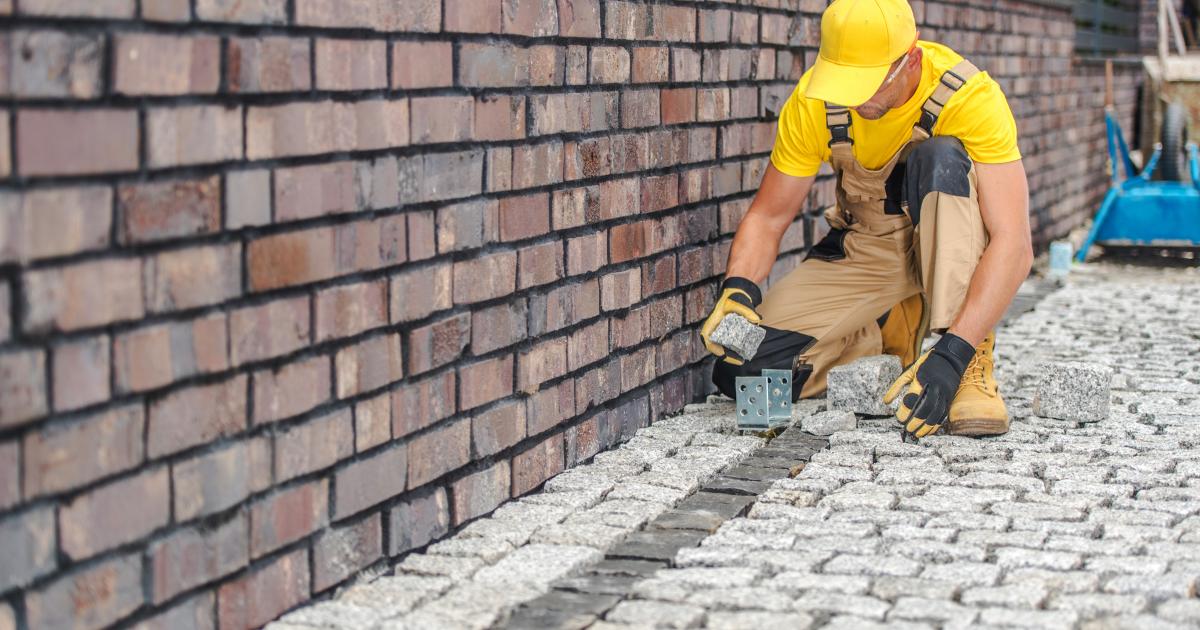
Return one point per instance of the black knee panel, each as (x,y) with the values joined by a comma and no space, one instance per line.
(938,164)
(778,351)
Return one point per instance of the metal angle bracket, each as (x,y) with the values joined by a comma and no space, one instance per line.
(763,402)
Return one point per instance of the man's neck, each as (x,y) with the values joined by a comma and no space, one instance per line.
(912,81)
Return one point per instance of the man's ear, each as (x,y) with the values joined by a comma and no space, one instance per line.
(914,60)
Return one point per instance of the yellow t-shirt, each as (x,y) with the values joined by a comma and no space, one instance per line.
(977,114)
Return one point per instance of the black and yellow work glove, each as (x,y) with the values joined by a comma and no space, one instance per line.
(935,378)
(738,295)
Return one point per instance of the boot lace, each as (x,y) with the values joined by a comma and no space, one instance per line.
(974,374)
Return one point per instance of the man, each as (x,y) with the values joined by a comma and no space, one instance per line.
(930,231)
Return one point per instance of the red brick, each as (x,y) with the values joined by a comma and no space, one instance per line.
(257,12)
(80,372)
(573,112)
(659,193)
(5,310)
(22,387)
(485,381)
(91,597)
(714,26)
(674,352)
(587,345)
(619,198)
(423,403)
(678,106)
(467,225)
(499,118)
(291,390)
(419,521)
(269,64)
(537,165)
(630,241)
(536,465)
(499,169)
(152,212)
(438,452)
(543,362)
(79,8)
(610,64)
(314,445)
(586,254)
(216,481)
(547,63)
(442,119)
(196,415)
(287,516)
(438,343)
(77,142)
(699,303)
(421,239)
(695,185)
(482,492)
(492,65)
(575,207)
(163,65)
(6,166)
(651,65)
(368,365)
(637,369)
(307,192)
(540,264)
(632,329)
(68,456)
(348,310)
(472,16)
(678,24)
(416,294)
(151,357)
(115,514)
(188,278)
(531,18)
(380,15)
(417,65)
(744,29)
(340,552)
(83,295)
(180,136)
(166,10)
(550,407)
(579,18)
(743,102)
(485,278)
(712,104)
(524,217)
(497,429)
(351,64)
(668,147)
(197,613)
(52,64)
(10,473)
(640,108)
(695,265)
(270,131)
(563,307)
(31,224)
(620,289)
(666,316)
(190,557)
(370,481)
(598,386)
(658,276)
(581,440)
(269,330)
(247,198)
(372,422)
(259,597)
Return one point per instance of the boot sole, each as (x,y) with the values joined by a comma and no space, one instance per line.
(975,427)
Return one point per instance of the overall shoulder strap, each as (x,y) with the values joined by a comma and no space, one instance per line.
(952,81)
(837,119)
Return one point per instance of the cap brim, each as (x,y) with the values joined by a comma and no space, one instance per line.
(850,86)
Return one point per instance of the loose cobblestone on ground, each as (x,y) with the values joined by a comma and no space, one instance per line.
(1090,523)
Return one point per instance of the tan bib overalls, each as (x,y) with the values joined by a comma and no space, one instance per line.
(874,259)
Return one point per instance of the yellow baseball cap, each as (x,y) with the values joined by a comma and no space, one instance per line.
(860,39)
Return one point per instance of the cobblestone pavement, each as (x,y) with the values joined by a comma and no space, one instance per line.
(1055,525)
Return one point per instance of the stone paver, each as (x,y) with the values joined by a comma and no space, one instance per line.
(1087,522)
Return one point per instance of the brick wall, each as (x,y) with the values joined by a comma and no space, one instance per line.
(290,287)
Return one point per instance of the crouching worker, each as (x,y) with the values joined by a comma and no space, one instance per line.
(930,230)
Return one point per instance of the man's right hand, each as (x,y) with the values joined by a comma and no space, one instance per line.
(738,295)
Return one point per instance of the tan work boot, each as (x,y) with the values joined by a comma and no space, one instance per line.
(978,408)
(902,332)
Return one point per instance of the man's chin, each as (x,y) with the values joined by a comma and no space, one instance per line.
(870,114)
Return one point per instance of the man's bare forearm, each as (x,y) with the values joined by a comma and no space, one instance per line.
(1001,270)
(756,244)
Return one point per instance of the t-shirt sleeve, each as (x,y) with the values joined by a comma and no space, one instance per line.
(979,116)
(793,153)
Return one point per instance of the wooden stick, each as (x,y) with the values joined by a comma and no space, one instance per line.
(1108,84)
(1175,30)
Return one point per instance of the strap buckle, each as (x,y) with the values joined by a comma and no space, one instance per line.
(927,121)
(840,134)
(961,81)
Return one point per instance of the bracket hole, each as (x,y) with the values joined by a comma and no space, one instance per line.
(760,412)
(783,380)
(743,388)
(743,412)
(783,404)
(758,388)
(752,400)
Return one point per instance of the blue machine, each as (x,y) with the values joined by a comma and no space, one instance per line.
(1138,211)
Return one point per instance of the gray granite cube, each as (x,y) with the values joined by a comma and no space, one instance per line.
(738,334)
(860,386)
(829,422)
(1075,391)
